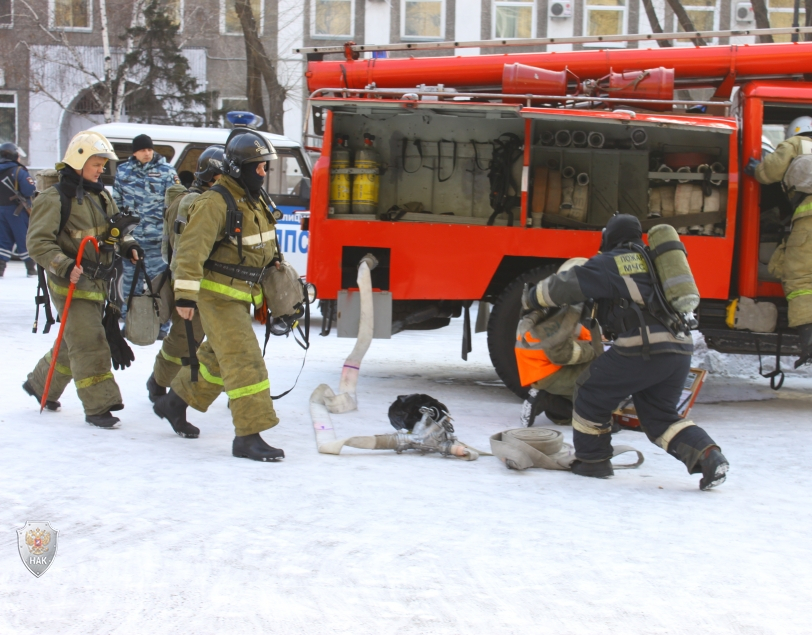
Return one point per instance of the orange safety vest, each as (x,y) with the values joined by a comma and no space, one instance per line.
(533,363)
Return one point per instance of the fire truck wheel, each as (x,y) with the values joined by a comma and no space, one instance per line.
(502,327)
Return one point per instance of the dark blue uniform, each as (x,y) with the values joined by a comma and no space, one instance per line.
(13,217)
(646,360)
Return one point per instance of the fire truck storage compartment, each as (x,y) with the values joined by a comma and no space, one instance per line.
(621,166)
(437,157)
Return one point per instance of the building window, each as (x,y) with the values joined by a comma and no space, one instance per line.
(332,18)
(230,21)
(605,17)
(513,19)
(703,14)
(8,117)
(781,12)
(422,19)
(6,13)
(174,11)
(71,14)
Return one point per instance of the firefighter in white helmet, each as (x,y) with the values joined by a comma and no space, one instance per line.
(78,206)
(791,163)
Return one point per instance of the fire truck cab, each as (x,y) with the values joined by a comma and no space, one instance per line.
(506,166)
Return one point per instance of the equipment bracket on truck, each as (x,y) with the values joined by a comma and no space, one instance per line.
(468,176)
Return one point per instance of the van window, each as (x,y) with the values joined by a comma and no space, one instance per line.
(285,175)
(187,165)
(125,151)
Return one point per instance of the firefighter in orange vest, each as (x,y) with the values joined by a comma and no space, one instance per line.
(552,349)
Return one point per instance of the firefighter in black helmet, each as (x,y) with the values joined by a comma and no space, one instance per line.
(175,346)
(228,242)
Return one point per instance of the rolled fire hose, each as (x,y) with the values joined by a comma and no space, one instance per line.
(665,169)
(655,206)
(522,448)
(579,139)
(596,140)
(567,188)
(427,436)
(563,138)
(684,170)
(580,198)
(345,400)
(547,138)
(717,168)
(639,137)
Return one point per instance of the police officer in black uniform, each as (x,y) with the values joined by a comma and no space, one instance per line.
(16,189)
(646,360)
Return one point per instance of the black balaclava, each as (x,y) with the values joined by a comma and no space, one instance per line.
(621,228)
(74,185)
(252,181)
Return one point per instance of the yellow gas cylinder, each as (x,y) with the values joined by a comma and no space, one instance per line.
(340,158)
(365,187)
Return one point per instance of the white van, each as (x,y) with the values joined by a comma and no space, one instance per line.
(288,180)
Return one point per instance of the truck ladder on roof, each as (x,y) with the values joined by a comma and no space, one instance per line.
(351,48)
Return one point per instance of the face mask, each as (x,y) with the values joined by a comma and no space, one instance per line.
(252,181)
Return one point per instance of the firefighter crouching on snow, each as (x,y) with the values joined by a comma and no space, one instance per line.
(552,349)
(84,355)
(218,275)
(646,360)
(796,273)
(175,347)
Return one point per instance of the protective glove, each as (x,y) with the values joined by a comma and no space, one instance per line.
(120,351)
(529,300)
(134,249)
(750,168)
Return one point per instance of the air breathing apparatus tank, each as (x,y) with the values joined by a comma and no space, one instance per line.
(340,159)
(365,186)
(672,267)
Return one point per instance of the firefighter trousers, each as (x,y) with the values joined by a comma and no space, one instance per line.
(656,386)
(174,347)
(84,357)
(230,361)
(797,273)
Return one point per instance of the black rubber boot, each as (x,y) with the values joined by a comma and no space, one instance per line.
(254,447)
(805,334)
(2,267)
(105,420)
(597,469)
(30,268)
(714,468)
(154,389)
(49,405)
(172,408)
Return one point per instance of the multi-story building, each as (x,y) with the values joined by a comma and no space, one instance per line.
(50,48)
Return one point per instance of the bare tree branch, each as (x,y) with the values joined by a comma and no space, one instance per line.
(762,18)
(685,20)
(654,21)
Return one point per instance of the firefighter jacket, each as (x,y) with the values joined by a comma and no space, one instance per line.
(774,165)
(56,251)
(620,283)
(205,238)
(544,344)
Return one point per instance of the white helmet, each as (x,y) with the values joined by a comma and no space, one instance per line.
(798,126)
(572,262)
(84,145)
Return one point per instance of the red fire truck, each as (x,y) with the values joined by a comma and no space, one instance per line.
(493,169)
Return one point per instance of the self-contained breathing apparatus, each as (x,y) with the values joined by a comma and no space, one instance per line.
(119,226)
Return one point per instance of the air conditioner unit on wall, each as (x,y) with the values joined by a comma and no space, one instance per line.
(744,12)
(561,10)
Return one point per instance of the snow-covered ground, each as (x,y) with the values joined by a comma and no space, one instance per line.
(160,534)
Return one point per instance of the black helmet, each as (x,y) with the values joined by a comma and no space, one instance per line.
(621,228)
(9,151)
(210,163)
(245,146)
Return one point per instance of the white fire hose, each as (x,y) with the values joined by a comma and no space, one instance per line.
(428,435)
(346,400)
(522,448)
